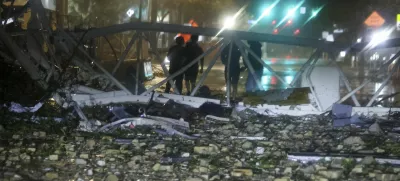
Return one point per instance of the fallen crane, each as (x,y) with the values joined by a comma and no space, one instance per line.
(54,65)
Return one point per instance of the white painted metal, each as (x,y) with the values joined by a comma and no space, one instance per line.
(123,97)
(326,84)
(86,90)
(306,159)
(371,111)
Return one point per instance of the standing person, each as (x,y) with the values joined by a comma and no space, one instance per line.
(176,58)
(192,51)
(234,70)
(258,67)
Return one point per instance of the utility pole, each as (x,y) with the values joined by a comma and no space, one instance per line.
(62,11)
(154,13)
(138,52)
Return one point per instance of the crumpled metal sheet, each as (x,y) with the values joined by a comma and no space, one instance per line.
(18,108)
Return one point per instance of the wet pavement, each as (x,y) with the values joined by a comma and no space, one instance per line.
(287,69)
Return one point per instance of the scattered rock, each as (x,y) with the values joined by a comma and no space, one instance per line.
(101,163)
(80,161)
(156,167)
(331,174)
(282,179)
(53,157)
(247,145)
(16,137)
(352,140)
(290,127)
(387,177)
(379,150)
(375,129)
(308,170)
(194,179)
(367,160)
(245,172)
(90,144)
(2,128)
(159,147)
(337,163)
(167,168)
(84,156)
(90,172)
(287,171)
(357,169)
(112,178)
(42,134)
(51,176)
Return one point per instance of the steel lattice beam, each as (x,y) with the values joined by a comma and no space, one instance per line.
(241,35)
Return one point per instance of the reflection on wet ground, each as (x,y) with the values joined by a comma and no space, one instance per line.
(287,68)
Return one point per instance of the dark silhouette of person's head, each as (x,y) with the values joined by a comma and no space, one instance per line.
(180,40)
(194,38)
(254,44)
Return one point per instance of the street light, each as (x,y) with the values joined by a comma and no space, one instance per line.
(291,12)
(229,22)
(130,12)
(297,31)
(380,36)
(359,40)
(314,13)
(342,53)
(266,12)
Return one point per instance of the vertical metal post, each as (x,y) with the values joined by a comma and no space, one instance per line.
(264,64)
(125,53)
(384,83)
(212,63)
(228,76)
(304,67)
(251,69)
(344,79)
(309,71)
(138,53)
(354,91)
(368,80)
(138,62)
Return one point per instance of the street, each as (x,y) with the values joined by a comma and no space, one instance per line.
(287,68)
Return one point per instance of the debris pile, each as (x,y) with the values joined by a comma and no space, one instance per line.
(246,146)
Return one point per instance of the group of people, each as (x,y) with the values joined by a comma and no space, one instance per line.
(181,55)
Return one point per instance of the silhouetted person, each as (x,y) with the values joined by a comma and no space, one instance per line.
(176,59)
(234,70)
(258,67)
(192,51)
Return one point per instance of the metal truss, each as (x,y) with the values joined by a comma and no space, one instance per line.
(66,44)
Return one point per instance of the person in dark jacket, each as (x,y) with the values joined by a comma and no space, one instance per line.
(192,51)
(176,58)
(234,71)
(258,67)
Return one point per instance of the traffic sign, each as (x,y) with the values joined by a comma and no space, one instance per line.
(398,22)
(374,20)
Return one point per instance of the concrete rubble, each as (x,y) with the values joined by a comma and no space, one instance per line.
(248,147)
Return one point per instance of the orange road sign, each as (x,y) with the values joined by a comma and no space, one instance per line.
(186,37)
(374,20)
